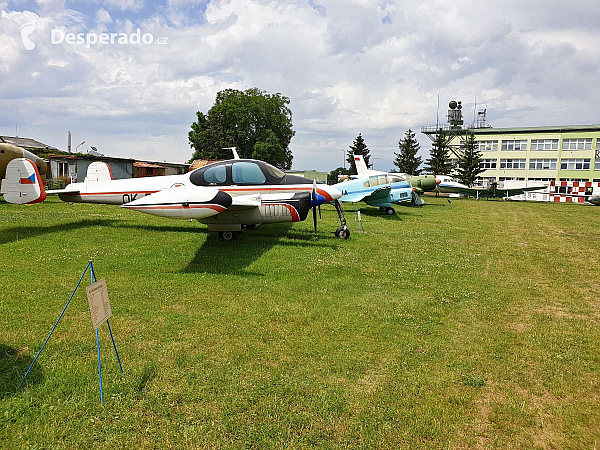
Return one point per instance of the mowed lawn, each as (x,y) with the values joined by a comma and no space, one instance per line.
(470,325)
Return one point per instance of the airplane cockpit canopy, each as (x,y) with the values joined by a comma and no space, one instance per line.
(237,172)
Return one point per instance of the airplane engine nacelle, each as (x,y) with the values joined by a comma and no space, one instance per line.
(23,183)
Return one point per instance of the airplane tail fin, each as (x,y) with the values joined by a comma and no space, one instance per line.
(23,183)
(361,166)
(99,171)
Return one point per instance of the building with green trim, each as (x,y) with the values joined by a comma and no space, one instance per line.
(561,153)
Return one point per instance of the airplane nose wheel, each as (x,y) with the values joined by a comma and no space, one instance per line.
(227,235)
(342,233)
(390,211)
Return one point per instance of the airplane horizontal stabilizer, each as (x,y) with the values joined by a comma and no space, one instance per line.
(62,191)
(23,183)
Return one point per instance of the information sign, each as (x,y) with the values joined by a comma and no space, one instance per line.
(97,295)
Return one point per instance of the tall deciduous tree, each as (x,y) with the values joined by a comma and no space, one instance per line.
(358,148)
(469,162)
(439,162)
(257,123)
(407,160)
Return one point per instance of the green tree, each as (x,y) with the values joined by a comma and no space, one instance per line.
(439,161)
(358,148)
(469,162)
(332,177)
(257,123)
(407,160)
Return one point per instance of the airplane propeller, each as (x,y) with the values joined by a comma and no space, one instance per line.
(316,200)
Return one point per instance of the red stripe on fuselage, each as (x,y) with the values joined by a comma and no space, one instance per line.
(109,193)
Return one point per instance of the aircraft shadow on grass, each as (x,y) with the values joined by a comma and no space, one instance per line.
(13,366)
(213,256)
(23,232)
(233,258)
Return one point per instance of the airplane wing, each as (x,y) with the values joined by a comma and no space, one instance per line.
(473,192)
(377,195)
(510,192)
(241,202)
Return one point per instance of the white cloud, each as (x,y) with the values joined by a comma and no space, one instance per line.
(124,5)
(348,67)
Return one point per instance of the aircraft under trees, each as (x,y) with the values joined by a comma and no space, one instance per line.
(439,161)
(358,148)
(332,177)
(407,160)
(257,123)
(469,162)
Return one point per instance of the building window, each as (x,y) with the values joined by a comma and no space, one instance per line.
(512,163)
(597,164)
(63,169)
(542,164)
(486,146)
(544,144)
(575,164)
(514,145)
(489,163)
(577,144)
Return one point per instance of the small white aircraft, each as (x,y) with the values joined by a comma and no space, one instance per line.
(225,195)
(420,183)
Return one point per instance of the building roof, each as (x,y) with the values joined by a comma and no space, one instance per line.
(547,129)
(25,142)
(114,158)
(147,165)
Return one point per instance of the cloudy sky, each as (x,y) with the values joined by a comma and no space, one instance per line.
(349,67)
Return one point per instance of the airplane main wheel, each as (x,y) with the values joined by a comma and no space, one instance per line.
(227,235)
(342,233)
(390,211)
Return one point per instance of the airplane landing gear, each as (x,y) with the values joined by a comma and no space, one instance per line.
(390,211)
(342,232)
(228,235)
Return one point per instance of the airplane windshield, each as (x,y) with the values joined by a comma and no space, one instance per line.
(216,175)
(274,171)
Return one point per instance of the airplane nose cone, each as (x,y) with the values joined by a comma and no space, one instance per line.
(437,181)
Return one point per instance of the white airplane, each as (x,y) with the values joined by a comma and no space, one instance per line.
(420,183)
(225,195)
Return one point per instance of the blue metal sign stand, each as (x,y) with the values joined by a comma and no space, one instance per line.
(92,280)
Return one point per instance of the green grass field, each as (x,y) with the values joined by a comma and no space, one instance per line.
(471,325)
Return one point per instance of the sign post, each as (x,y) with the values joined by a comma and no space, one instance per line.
(99,305)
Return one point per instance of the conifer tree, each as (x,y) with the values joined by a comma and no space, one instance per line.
(469,163)
(407,160)
(358,148)
(439,162)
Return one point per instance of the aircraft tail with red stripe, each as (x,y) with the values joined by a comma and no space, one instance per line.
(23,183)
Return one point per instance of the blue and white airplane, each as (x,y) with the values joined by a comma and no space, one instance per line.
(381,190)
